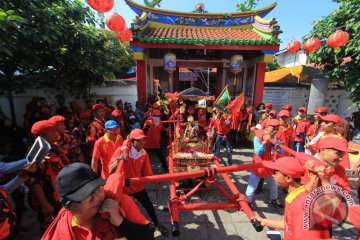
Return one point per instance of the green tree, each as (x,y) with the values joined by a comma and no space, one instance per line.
(56,43)
(347,18)
(271,66)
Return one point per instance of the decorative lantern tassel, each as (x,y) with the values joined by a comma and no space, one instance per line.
(336,50)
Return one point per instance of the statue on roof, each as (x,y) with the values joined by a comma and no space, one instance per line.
(152,3)
(248,5)
(200,8)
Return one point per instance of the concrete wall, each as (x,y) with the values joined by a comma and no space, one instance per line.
(286,59)
(127,93)
(337,101)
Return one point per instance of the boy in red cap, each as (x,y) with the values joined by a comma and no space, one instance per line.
(95,209)
(287,173)
(138,165)
(153,128)
(105,147)
(300,124)
(264,151)
(96,128)
(271,115)
(314,129)
(44,186)
(119,117)
(285,132)
(331,150)
(265,115)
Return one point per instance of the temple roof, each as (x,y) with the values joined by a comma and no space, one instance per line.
(203,36)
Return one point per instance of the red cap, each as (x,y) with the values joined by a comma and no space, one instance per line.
(287,107)
(302,109)
(116,113)
(118,101)
(331,118)
(268,105)
(85,115)
(335,143)
(97,106)
(284,113)
(273,112)
(273,122)
(157,112)
(137,134)
(287,165)
(191,110)
(42,127)
(57,119)
(321,110)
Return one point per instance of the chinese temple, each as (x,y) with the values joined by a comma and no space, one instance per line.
(202,49)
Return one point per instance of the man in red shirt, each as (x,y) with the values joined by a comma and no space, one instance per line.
(287,173)
(105,147)
(94,211)
(314,129)
(285,132)
(96,128)
(222,126)
(236,118)
(300,125)
(138,165)
(153,128)
(42,187)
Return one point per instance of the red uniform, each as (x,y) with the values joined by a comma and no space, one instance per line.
(220,126)
(235,120)
(96,130)
(64,226)
(153,136)
(8,216)
(285,135)
(137,168)
(354,216)
(104,149)
(293,218)
(300,127)
(267,155)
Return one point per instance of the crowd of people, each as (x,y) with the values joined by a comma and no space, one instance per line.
(76,191)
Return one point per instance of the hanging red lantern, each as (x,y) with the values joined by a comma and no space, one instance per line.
(125,35)
(338,39)
(293,46)
(101,5)
(311,45)
(115,22)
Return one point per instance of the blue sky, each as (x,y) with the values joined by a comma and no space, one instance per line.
(295,17)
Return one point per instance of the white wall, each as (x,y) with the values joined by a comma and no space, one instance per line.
(337,101)
(126,93)
(286,59)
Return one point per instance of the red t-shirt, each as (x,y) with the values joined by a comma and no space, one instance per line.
(137,168)
(235,120)
(354,216)
(285,135)
(153,136)
(220,126)
(294,218)
(300,126)
(104,149)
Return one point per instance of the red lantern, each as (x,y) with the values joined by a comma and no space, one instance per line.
(293,46)
(338,39)
(101,5)
(311,45)
(125,35)
(115,22)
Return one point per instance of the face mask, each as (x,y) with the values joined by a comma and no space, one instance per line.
(156,120)
(134,154)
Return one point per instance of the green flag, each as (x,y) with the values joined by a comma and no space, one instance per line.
(223,100)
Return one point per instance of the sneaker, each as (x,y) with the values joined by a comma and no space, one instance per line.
(163,230)
(277,203)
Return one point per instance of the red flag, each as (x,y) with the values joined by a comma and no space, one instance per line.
(235,105)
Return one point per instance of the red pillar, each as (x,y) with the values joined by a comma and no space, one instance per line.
(259,83)
(141,81)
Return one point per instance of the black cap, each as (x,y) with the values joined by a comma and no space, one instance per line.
(77,181)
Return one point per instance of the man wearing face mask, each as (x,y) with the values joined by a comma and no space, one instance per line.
(153,128)
(138,165)
(264,151)
(95,209)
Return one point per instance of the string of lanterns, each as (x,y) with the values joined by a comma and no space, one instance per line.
(335,40)
(114,21)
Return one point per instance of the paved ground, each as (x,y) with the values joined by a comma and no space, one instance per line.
(203,225)
(226,224)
